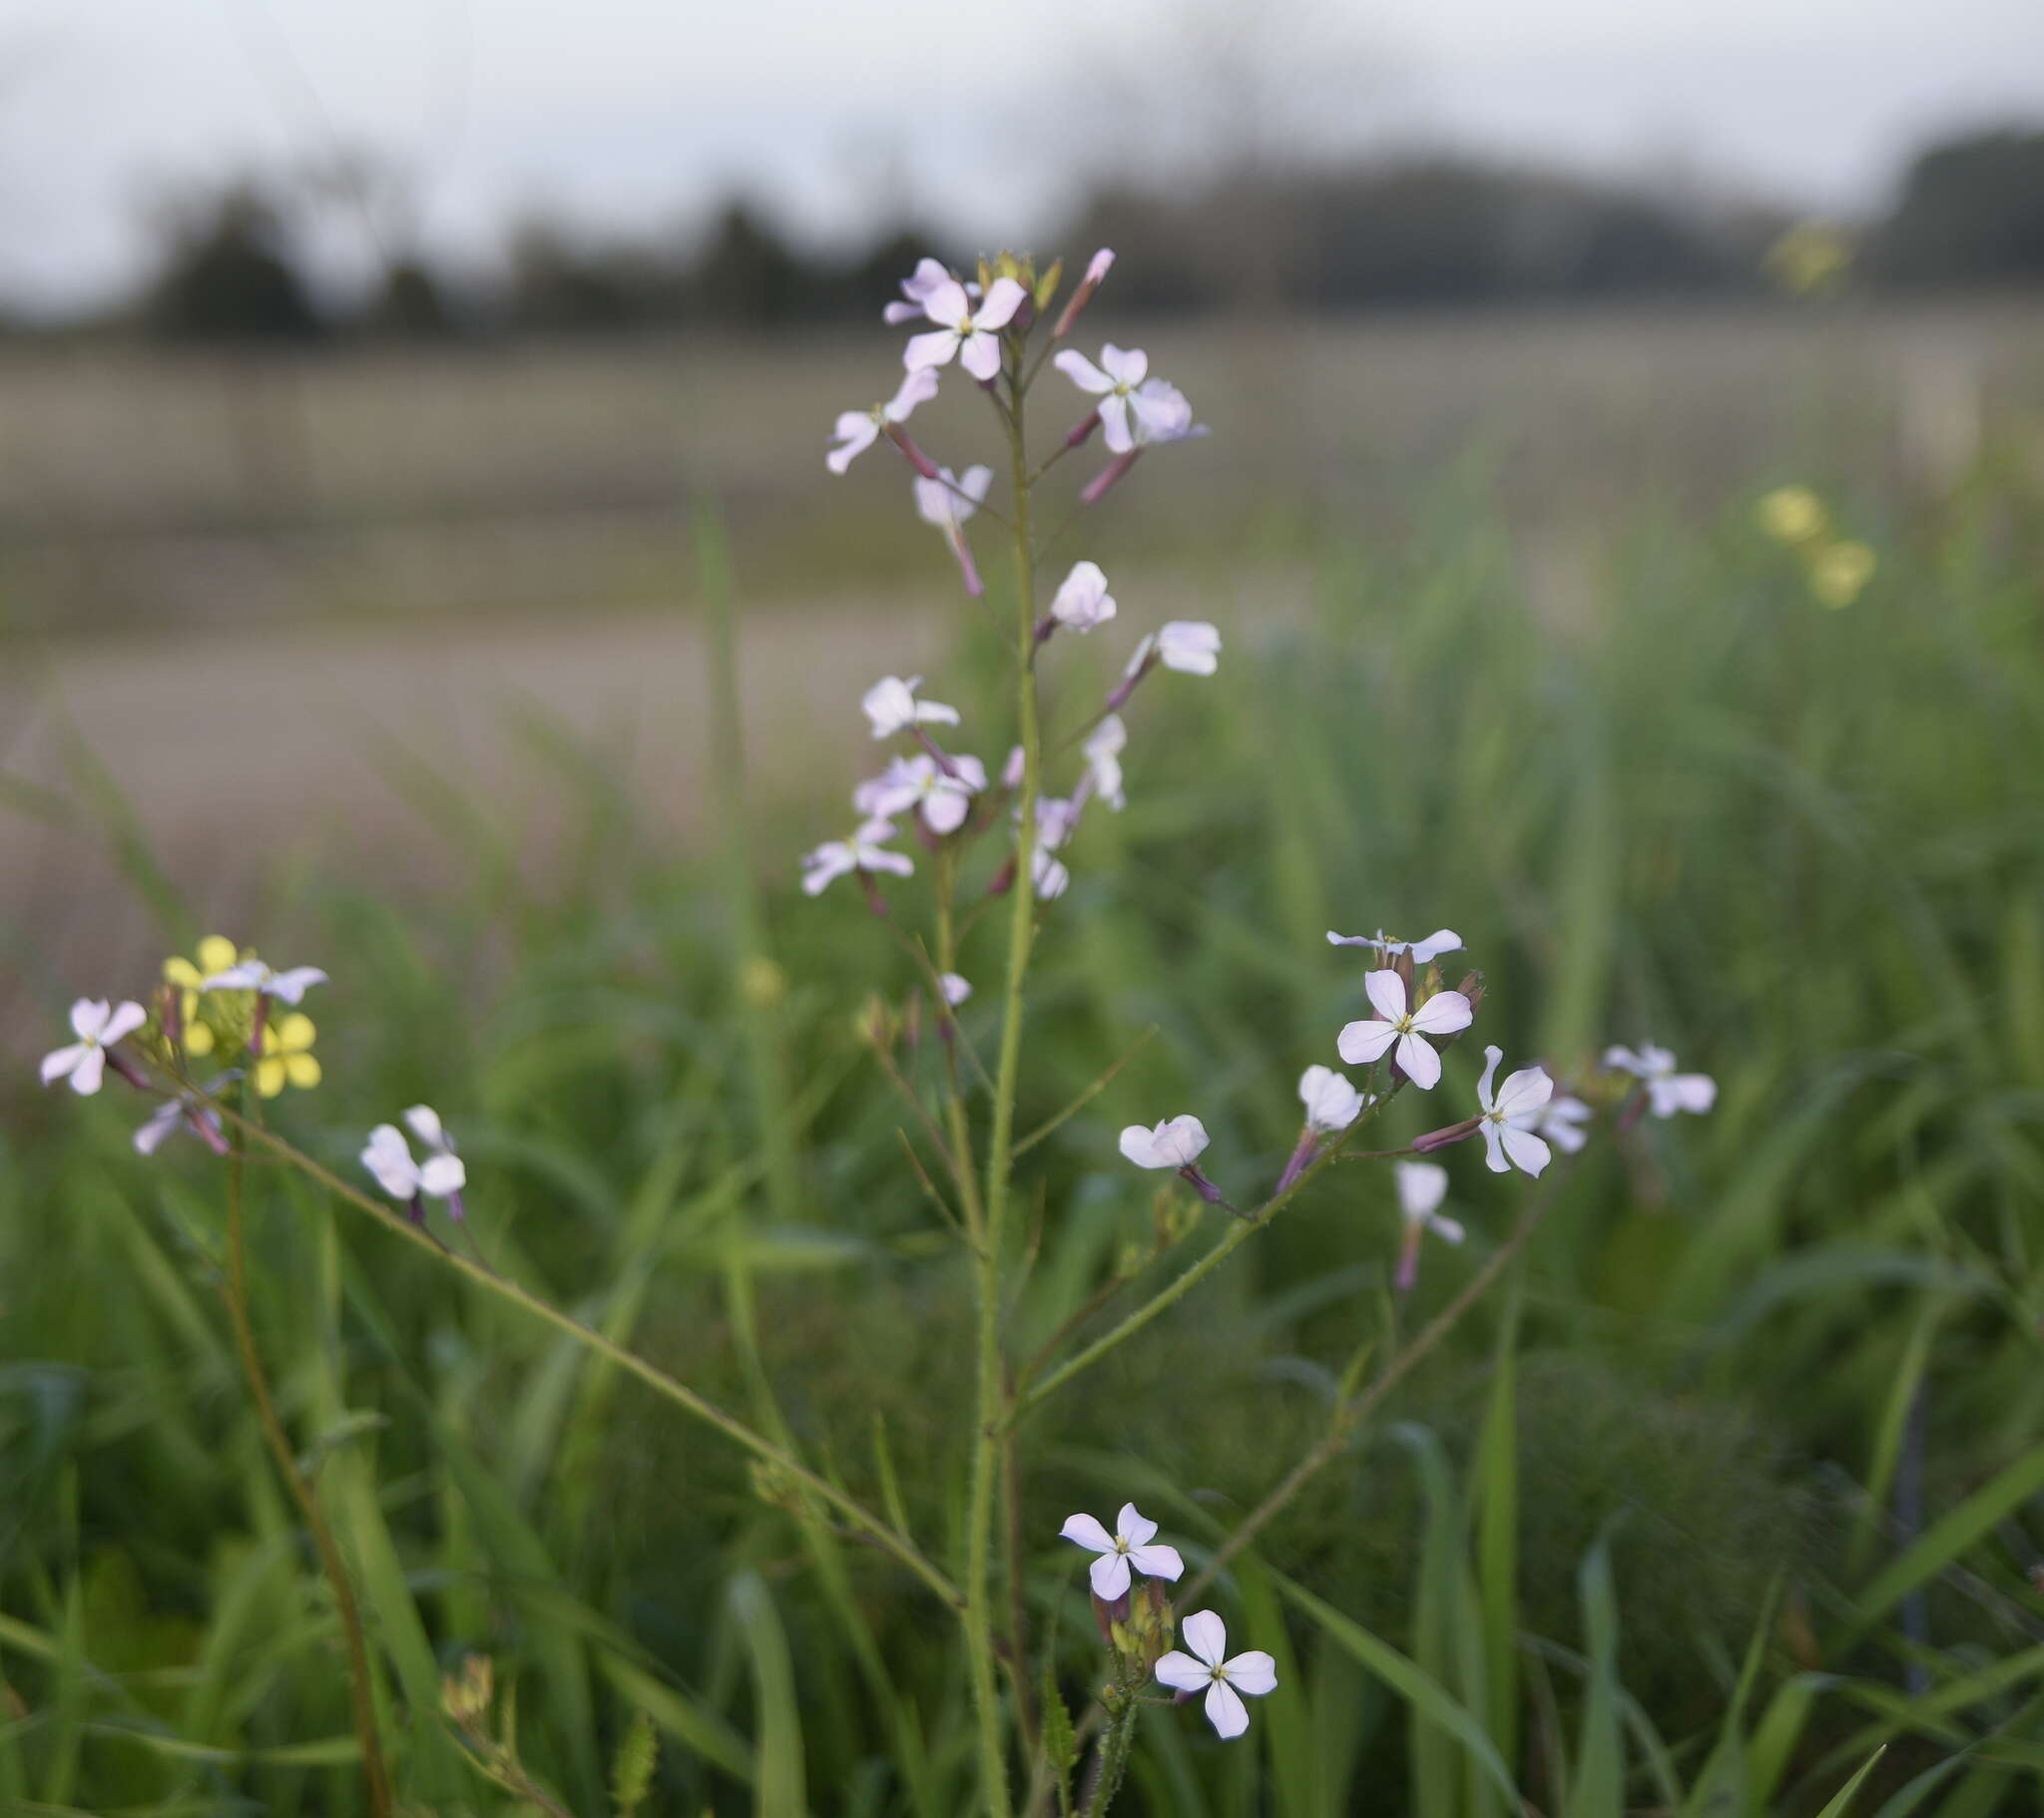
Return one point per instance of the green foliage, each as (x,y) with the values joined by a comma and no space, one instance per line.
(1622,1543)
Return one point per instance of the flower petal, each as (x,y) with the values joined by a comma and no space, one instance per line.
(1386,994)
(443,1175)
(1181,1671)
(934,347)
(1087,1531)
(1422,1186)
(1491,1056)
(1361,1043)
(1133,1526)
(1422,1065)
(1206,1635)
(61,1060)
(1494,1147)
(1523,1149)
(1524,1093)
(126,1018)
(91,1068)
(1156,1562)
(980,354)
(1082,371)
(1443,1014)
(997,310)
(1227,1713)
(89,1016)
(1253,1672)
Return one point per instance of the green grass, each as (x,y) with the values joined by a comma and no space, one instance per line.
(1620,1544)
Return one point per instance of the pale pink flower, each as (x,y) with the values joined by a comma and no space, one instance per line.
(1422,1186)
(1128,1545)
(1103,753)
(1082,600)
(1442,940)
(1508,1118)
(890,705)
(955,987)
(858,430)
(948,502)
(98,1026)
(1115,382)
(915,287)
(1442,1014)
(1668,1092)
(1204,1670)
(942,795)
(968,332)
(1190,646)
(862,852)
(1562,1124)
(1174,1143)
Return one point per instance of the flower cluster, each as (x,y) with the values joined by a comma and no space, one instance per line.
(1209,1668)
(1836,569)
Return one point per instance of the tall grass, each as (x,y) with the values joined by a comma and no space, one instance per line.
(1632,1540)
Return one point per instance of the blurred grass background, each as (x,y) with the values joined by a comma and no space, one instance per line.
(1640,1520)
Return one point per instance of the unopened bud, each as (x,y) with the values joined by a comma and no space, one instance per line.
(917,459)
(1096,488)
(875,1024)
(1047,284)
(1200,1184)
(1084,429)
(1108,1617)
(1442,1138)
(1096,268)
(1472,988)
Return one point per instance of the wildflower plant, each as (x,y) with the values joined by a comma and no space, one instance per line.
(950,855)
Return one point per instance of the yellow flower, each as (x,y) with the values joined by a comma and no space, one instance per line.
(1812,256)
(1793,514)
(1839,571)
(288,1058)
(216,954)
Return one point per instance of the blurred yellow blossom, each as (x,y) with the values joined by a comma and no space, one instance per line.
(1793,514)
(1810,258)
(288,1058)
(1839,571)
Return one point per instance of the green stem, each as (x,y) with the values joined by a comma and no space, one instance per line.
(992,1412)
(890,1540)
(361,1693)
(1111,1759)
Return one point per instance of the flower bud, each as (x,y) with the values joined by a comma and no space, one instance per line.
(875,1024)
(467,1697)
(1472,988)
(1442,1138)
(1096,488)
(1095,268)
(1047,284)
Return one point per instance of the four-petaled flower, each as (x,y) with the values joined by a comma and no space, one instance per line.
(1562,1124)
(388,1156)
(1160,413)
(1508,1119)
(972,334)
(98,1025)
(858,430)
(1082,600)
(1174,1143)
(1222,1679)
(944,796)
(890,705)
(926,277)
(216,954)
(1190,646)
(955,987)
(1668,1092)
(1126,404)
(288,986)
(862,851)
(185,1110)
(947,501)
(1128,1545)
(288,1058)
(1103,753)
(1441,1014)
(1442,940)
(1332,1103)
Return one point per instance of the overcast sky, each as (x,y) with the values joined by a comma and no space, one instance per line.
(984,115)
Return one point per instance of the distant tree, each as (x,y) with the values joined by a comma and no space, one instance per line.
(748,276)
(562,286)
(1971,212)
(229,276)
(410,305)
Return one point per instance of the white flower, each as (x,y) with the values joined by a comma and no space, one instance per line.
(862,851)
(98,1025)
(1441,1014)
(1160,413)
(1421,1187)
(1253,1672)
(1508,1118)
(940,501)
(955,987)
(1442,940)
(1190,646)
(251,975)
(858,430)
(1103,753)
(891,705)
(1082,600)
(1332,1103)
(1562,1124)
(388,1158)
(1128,1545)
(185,1110)
(926,277)
(1057,819)
(972,334)
(1174,1143)
(1668,1092)
(943,796)
(1118,383)
(1051,876)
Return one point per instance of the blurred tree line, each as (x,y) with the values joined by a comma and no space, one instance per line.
(1435,231)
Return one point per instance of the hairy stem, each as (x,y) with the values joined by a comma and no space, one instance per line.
(361,1693)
